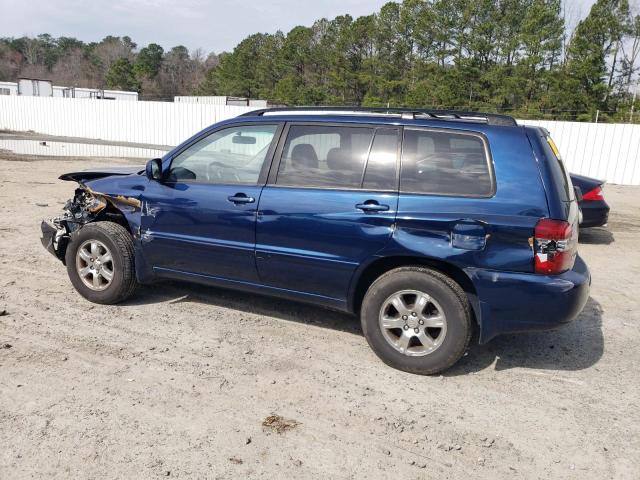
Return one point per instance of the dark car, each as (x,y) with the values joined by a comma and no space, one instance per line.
(595,211)
(427,224)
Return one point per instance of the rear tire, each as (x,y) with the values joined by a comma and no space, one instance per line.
(100,262)
(417,320)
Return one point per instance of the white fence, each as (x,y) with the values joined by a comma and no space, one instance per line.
(155,123)
(607,151)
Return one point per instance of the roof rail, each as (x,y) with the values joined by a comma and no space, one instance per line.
(406,113)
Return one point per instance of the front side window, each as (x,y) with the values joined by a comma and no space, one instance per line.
(234,155)
(445,163)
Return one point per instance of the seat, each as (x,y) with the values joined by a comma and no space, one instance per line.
(338,159)
(342,167)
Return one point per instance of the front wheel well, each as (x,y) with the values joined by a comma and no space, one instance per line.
(383,265)
(113,214)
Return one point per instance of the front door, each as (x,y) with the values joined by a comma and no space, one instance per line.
(200,220)
(329,206)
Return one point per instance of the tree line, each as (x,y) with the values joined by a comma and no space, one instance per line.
(114,62)
(512,56)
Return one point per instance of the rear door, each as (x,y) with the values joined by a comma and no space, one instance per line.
(330,203)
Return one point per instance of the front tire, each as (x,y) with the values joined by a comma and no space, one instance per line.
(100,262)
(417,320)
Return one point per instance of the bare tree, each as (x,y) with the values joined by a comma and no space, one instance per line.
(75,70)
(631,48)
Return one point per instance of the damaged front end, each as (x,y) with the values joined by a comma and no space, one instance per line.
(85,207)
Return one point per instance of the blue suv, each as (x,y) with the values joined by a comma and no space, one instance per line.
(428,224)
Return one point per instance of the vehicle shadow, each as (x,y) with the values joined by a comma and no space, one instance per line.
(176,292)
(575,346)
(596,236)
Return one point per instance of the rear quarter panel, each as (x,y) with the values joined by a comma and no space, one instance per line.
(428,225)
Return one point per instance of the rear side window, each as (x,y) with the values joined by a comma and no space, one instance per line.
(558,171)
(339,157)
(445,163)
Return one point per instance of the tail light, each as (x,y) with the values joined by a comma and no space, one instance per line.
(595,194)
(556,246)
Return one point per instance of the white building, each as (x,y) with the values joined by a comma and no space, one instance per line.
(34,87)
(79,92)
(27,86)
(8,88)
(43,88)
(222,100)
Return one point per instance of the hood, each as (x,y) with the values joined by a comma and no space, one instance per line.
(94,173)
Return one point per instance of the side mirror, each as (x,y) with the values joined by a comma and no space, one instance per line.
(578,192)
(153,169)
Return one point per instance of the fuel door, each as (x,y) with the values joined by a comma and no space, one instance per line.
(469,234)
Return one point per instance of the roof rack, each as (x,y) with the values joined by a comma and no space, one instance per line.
(405,113)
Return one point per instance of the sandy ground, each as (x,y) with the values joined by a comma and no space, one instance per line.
(178,381)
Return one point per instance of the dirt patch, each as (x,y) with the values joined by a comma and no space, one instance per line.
(279,424)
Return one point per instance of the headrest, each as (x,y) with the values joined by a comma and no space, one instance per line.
(476,158)
(304,155)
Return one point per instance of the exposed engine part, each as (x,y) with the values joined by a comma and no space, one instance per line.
(59,237)
(82,209)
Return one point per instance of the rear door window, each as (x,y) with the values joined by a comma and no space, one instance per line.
(445,163)
(380,173)
(325,156)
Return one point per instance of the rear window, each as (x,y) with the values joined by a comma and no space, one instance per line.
(445,163)
(557,168)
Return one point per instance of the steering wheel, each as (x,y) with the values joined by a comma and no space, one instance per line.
(218,173)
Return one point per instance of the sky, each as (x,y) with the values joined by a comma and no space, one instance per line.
(214,26)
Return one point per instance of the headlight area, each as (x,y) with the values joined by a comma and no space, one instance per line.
(85,207)
(82,209)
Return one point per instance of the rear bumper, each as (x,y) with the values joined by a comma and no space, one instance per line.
(517,302)
(594,213)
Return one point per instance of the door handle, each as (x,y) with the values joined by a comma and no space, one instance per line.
(240,198)
(372,206)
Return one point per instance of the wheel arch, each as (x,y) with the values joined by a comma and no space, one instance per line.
(114,214)
(129,217)
(366,276)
